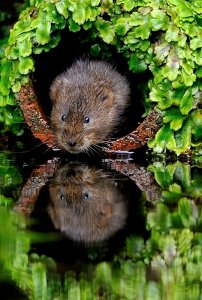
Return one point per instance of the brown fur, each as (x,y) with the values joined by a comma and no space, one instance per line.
(92,89)
(86,203)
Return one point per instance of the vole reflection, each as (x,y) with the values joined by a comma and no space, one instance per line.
(86,203)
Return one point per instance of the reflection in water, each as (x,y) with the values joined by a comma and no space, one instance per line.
(165,265)
(86,203)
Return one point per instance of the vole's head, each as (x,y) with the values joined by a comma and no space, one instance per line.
(88,100)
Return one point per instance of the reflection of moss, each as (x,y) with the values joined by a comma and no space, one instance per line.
(10,181)
(175,222)
(182,189)
(164,37)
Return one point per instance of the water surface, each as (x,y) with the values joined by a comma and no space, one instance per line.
(80,228)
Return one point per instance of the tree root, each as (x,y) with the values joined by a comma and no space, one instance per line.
(37,121)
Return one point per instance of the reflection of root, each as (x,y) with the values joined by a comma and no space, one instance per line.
(32,187)
(143,179)
(41,175)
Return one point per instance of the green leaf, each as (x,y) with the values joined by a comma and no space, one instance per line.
(25,48)
(159,20)
(159,220)
(136,19)
(38,50)
(162,50)
(137,65)
(174,194)
(187,66)
(74,27)
(142,31)
(183,175)
(187,102)
(198,57)
(62,9)
(16,87)
(130,38)
(53,16)
(4,83)
(105,30)
(122,26)
(79,14)
(183,137)
(144,45)
(6,100)
(92,13)
(196,43)
(55,39)
(163,174)
(158,95)
(87,25)
(199,72)
(165,137)
(164,102)
(187,78)
(128,5)
(43,31)
(185,213)
(183,9)
(174,116)
(71,5)
(172,33)
(95,2)
(12,52)
(95,50)
(26,65)
(196,117)
(171,69)
(21,27)
(165,85)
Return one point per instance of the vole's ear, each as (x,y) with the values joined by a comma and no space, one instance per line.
(55,89)
(57,86)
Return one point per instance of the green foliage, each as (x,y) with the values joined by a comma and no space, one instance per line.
(10,118)
(164,37)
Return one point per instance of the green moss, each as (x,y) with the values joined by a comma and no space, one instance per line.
(162,36)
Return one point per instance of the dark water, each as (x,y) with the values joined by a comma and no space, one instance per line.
(94,228)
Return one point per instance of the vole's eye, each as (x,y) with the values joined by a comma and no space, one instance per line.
(62,197)
(103,97)
(63,117)
(86,120)
(85,196)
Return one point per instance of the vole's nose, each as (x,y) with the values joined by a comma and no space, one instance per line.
(71,143)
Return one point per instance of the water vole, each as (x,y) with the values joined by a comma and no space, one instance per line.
(88,100)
